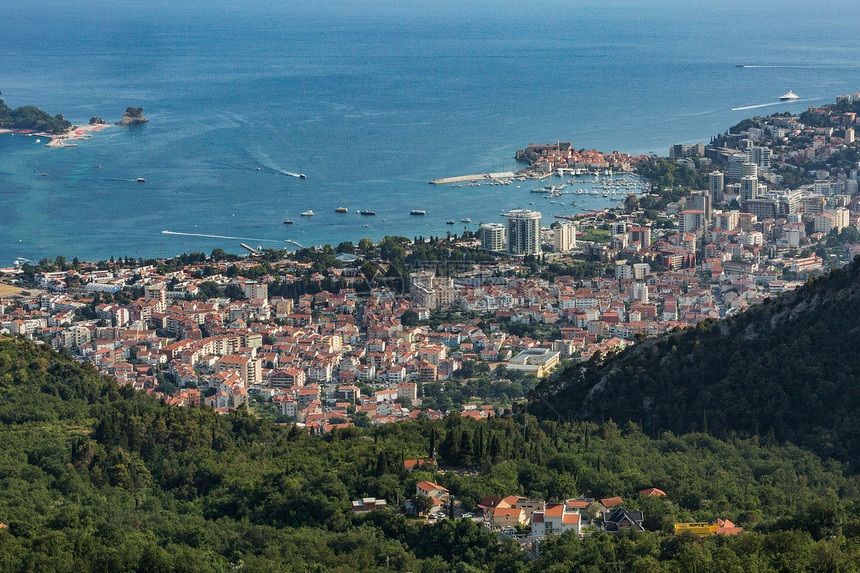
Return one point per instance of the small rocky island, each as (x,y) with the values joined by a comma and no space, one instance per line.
(132,116)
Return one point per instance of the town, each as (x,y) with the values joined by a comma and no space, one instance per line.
(405,329)
(351,342)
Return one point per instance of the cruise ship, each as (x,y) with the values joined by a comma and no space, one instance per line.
(789,96)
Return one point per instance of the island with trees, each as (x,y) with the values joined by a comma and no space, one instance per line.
(31,118)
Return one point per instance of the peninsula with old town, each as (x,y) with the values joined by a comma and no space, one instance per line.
(353,339)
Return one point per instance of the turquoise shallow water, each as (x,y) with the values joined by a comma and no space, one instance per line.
(370,100)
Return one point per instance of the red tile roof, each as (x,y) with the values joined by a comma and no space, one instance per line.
(554,510)
(611,502)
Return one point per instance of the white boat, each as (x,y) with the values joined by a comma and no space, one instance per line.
(307,213)
(789,96)
(466,220)
(417,212)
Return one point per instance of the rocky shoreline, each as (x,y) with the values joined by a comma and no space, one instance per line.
(132,116)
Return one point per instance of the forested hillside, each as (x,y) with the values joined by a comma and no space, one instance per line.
(94,477)
(786,370)
(31,118)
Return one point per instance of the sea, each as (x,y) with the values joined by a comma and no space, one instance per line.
(370,100)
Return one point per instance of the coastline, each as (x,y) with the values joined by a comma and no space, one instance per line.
(76,132)
(59,140)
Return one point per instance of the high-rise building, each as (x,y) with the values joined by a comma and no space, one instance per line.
(740,166)
(761,156)
(492,237)
(701,201)
(749,188)
(849,135)
(565,238)
(642,235)
(156,292)
(716,185)
(523,232)
(617,228)
(691,220)
(680,150)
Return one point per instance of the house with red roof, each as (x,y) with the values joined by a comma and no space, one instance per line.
(410,465)
(507,517)
(437,492)
(556,519)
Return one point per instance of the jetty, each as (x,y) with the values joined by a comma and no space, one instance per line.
(480,177)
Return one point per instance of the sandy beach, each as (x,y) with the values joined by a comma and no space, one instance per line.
(77,132)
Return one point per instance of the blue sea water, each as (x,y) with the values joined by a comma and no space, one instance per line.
(371,100)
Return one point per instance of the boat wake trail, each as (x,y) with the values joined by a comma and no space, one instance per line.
(773,103)
(267,162)
(219,237)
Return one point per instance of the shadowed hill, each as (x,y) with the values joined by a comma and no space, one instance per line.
(787,369)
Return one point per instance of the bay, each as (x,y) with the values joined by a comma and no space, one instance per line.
(370,100)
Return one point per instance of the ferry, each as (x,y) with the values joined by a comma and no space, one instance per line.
(417,212)
(789,96)
(341,210)
(307,213)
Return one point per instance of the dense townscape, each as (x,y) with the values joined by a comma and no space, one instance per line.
(379,330)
